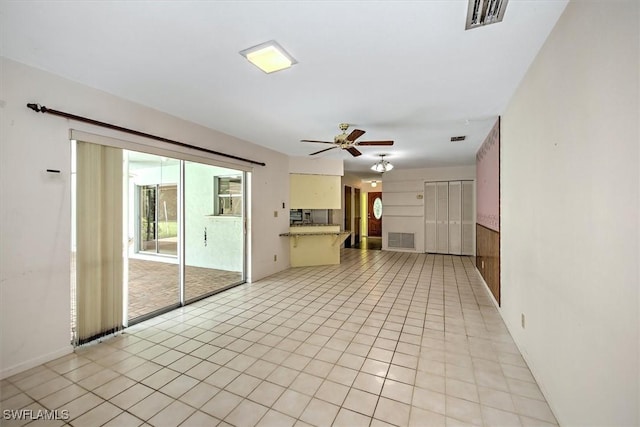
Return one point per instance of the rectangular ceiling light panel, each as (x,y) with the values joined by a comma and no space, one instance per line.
(485,12)
(269,57)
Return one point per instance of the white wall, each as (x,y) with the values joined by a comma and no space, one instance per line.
(165,174)
(569,206)
(316,166)
(35,206)
(225,238)
(403,199)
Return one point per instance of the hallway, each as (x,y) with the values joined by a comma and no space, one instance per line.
(384,338)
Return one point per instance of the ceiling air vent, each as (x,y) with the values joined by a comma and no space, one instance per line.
(485,12)
(458,138)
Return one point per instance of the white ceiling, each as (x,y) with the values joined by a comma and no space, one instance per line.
(401,70)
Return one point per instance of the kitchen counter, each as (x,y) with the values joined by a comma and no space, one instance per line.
(315,233)
(315,244)
(314,225)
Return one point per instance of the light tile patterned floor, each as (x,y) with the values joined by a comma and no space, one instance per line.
(383,339)
(153,285)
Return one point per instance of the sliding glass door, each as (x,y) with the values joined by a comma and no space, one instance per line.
(214,229)
(162,233)
(186,232)
(147,217)
(154,268)
(158,218)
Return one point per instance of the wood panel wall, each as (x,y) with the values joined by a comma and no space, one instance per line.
(488,258)
(488,210)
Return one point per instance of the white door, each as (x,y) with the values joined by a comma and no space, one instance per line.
(442,217)
(430,203)
(455,217)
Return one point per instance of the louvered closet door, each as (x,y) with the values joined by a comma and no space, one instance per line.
(430,203)
(455,217)
(467,218)
(442,217)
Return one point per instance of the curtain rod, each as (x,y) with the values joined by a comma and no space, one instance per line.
(42,109)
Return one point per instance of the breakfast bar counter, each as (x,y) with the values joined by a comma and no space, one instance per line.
(315,244)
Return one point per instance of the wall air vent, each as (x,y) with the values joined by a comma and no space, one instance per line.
(458,138)
(401,240)
(485,12)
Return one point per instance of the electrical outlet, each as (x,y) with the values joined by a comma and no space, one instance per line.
(522,320)
(275,258)
(275,214)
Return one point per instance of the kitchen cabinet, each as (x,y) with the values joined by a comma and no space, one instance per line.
(314,191)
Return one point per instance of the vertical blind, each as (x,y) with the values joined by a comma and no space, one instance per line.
(99,234)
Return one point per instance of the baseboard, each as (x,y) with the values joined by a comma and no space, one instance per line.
(530,365)
(488,289)
(32,363)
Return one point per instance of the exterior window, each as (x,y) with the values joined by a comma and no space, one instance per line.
(228,195)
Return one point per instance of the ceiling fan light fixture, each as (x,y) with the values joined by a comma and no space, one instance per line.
(382,166)
(269,57)
(348,142)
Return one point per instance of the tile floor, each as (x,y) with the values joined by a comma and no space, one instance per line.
(370,243)
(153,285)
(385,338)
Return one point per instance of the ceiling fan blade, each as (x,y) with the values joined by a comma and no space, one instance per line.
(322,151)
(355,134)
(313,140)
(375,143)
(354,152)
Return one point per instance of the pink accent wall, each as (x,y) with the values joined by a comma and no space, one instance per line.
(488,180)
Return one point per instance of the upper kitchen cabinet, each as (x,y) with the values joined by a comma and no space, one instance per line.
(314,191)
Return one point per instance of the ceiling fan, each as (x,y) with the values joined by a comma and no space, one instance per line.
(347,141)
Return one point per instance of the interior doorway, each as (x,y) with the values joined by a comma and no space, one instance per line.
(357,217)
(374,214)
(370,220)
(347,214)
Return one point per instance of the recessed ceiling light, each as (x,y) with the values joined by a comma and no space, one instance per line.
(269,57)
